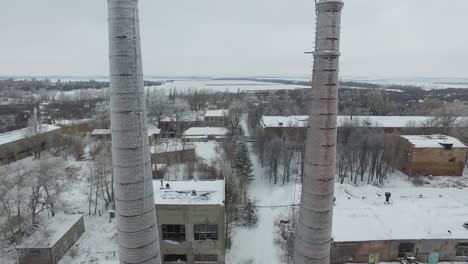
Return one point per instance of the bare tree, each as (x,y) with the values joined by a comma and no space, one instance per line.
(102,114)
(234,117)
(136,217)
(273,158)
(158,107)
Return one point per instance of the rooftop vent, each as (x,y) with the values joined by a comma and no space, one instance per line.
(446,145)
(194,193)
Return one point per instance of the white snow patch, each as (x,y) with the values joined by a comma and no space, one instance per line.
(181,192)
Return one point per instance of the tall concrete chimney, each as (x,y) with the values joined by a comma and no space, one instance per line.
(314,225)
(135,211)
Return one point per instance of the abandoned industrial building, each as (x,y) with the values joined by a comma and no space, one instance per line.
(431,155)
(105,134)
(52,241)
(367,229)
(19,144)
(287,127)
(190,215)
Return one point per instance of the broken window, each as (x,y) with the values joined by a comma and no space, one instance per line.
(406,250)
(175,258)
(206,232)
(173,232)
(462,250)
(206,259)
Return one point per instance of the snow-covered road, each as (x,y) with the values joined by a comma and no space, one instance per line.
(256,245)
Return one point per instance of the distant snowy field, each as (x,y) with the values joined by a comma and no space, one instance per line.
(183,84)
(424,83)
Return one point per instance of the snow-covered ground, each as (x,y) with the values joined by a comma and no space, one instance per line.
(256,245)
(207,151)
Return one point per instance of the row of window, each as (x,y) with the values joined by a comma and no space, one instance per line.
(183,258)
(406,249)
(200,232)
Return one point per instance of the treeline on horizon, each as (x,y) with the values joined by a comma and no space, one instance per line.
(33,84)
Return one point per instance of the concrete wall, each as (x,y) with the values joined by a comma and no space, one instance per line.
(387,251)
(215,121)
(68,240)
(431,161)
(23,148)
(34,256)
(172,157)
(189,215)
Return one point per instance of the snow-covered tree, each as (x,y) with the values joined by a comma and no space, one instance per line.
(250,217)
(102,110)
(242,162)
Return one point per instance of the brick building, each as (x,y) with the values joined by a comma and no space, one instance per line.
(435,155)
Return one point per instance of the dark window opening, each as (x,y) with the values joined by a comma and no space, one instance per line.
(175,258)
(173,232)
(206,232)
(462,250)
(206,259)
(34,251)
(406,250)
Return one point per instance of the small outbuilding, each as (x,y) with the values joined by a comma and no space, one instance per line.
(205,133)
(436,155)
(216,117)
(50,242)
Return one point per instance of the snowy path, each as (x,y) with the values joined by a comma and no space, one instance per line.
(256,245)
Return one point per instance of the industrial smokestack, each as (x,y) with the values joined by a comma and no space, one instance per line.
(314,225)
(135,211)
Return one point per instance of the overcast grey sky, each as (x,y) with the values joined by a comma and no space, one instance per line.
(403,38)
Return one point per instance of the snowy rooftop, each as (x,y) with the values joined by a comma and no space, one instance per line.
(433,141)
(367,121)
(181,192)
(15,135)
(152,130)
(414,213)
(169,146)
(186,117)
(51,232)
(99,132)
(206,131)
(216,113)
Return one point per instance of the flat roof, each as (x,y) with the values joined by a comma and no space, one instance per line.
(170,146)
(433,141)
(205,131)
(181,192)
(48,234)
(152,130)
(363,121)
(16,135)
(216,113)
(360,213)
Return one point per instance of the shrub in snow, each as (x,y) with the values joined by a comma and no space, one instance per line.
(250,214)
